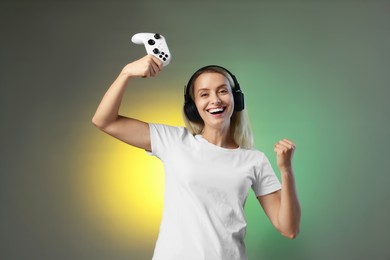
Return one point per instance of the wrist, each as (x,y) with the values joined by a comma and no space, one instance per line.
(125,75)
(286,170)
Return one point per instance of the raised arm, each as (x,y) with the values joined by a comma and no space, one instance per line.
(107,119)
(282,207)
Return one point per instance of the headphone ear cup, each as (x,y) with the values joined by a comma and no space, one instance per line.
(238,101)
(192,112)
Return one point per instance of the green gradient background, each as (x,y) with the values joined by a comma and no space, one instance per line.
(314,71)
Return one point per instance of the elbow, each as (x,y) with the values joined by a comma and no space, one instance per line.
(95,122)
(98,124)
(291,235)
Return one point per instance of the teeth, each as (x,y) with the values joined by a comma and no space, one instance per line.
(215,110)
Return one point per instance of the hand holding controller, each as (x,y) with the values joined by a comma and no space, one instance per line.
(155,44)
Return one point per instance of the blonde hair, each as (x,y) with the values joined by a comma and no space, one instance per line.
(240,128)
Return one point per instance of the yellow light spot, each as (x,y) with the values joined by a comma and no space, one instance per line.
(121,188)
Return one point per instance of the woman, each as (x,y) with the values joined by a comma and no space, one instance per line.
(209,165)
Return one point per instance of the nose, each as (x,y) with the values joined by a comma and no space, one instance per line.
(216,99)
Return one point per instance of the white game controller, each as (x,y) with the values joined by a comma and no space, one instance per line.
(155,44)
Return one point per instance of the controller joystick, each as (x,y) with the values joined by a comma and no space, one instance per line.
(155,44)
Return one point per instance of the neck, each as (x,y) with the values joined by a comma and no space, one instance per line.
(220,137)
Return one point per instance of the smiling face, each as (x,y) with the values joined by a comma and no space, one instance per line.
(214,99)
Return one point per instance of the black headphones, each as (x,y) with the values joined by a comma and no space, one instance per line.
(190,109)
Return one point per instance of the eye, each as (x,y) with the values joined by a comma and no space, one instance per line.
(223,91)
(204,94)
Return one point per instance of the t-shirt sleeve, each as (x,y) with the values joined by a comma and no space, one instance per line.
(266,180)
(161,138)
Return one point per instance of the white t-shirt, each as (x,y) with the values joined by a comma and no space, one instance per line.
(206,187)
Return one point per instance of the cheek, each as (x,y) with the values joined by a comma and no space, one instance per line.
(228,99)
(200,104)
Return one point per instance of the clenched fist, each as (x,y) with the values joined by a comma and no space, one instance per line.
(284,150)
(148,66)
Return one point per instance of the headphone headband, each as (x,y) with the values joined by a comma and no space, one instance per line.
(190,109)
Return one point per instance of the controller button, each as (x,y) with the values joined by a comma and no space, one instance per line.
(164,59)
(166,56)
(156,51)
(160,56)
(163,53)
(157,36)
(151,42)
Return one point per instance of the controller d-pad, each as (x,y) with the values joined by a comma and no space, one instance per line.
(151,42)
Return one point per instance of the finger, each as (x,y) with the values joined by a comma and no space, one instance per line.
(287,143)
(158,63)
(281,145)
(278,148)
(282,149)
(151,70)
(155,69)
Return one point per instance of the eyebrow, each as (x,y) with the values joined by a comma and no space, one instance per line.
(220,86)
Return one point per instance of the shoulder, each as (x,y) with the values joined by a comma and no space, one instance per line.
(257,158)
(167,130)
(253,153)
(164,138)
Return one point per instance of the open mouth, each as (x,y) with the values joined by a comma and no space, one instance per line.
(216,111)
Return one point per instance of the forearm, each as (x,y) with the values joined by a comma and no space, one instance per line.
(108,108)
(289,212)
